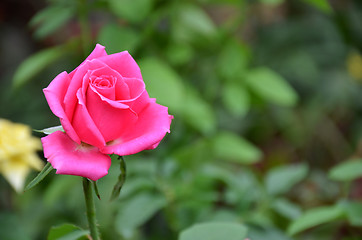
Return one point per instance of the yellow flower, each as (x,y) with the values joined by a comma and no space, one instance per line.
(17,153)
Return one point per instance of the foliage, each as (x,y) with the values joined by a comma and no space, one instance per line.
(265,141)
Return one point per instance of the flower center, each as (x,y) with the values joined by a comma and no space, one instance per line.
(84,147)
(103,81)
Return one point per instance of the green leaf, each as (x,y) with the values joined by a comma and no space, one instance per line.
(132,10)
(96,191)
(272,2)
(50,19)
(118,38)
(244,188)
(316,217)
(286,208)
(267,233)
(192,24)
(44,172)
(231,147)
(135,185)
(179,53)
(198,113)
(136,211)
(235,99)
(163,83)
(67,232)
(194,153)
(281,179)
(322,5)
(271,87)
(354,212)
(76,235)
(214,231)
(232,61)
(121,179)
(35,64)
(347,171)
(50,130)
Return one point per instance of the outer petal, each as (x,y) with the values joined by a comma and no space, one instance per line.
(123,63)
(99,51)
(69,158)
(54,94)
(152,125)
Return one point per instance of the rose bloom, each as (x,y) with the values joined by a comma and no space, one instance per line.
(18,153)
(104,108)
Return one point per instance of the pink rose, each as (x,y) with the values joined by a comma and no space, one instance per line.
(104,108)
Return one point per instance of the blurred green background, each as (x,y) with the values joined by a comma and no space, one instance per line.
(267,102)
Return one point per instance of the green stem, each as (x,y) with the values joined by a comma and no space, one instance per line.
(91,210)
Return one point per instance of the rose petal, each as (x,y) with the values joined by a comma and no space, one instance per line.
(70,98)
(84,124)
(72,159)
(104,85)
(54,94)
(120,87)
(110,119)
(99,51)
(139,103)
(136,88)
(152,125)
(139,96)
(123,63)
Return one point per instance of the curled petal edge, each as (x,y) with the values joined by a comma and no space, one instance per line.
(152,126)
